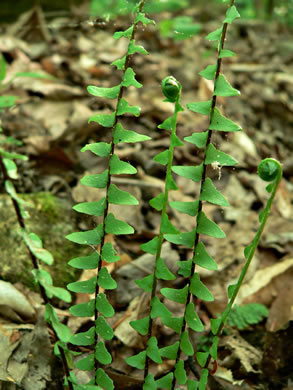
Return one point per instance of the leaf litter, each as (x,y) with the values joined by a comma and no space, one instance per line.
(46,120)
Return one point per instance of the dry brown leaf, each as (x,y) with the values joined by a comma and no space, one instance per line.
(248,355)
(15,300)
(227,375)
(281,311)
(262,278)
(124,331)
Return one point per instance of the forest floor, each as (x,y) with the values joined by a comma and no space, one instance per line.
(51,119)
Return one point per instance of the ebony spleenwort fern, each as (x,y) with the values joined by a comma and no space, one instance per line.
(172,90)
(38,253)
(32,241)
(99,307)
(269,170)
(208,193)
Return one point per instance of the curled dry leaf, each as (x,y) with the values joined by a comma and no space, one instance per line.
(15,300)
(262,278)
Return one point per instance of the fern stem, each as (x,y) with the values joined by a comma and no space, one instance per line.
(126,66)
(209,141)
(22,225)
(163,215)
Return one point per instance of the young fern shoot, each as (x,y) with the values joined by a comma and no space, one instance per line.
(99,306)
(172,91)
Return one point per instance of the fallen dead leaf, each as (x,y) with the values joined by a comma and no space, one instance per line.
(281,311)
(262,278)
(249,356)
(227,375)
(15,300)
(123,331)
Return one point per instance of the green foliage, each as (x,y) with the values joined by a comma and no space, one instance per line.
(103,9)
(180,27)
(250,314)
(192,319)
(32,241)
(102,253)
(177,27)
(241,317)
(180,373)
(99,306)
(171,88)
(268,169)
(141,326)
(280,10)
(137,361)
(203,225)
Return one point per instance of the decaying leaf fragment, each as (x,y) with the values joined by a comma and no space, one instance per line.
(249,356)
